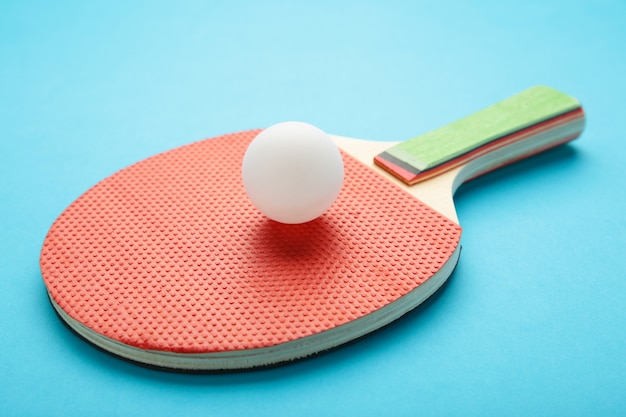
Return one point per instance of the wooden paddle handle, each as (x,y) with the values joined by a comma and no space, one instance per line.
(527,123)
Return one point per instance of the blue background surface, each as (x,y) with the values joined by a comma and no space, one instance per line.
(533,322)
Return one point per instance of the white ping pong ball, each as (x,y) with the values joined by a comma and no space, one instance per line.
(292,172)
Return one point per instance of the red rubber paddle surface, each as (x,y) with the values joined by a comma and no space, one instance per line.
(170,255)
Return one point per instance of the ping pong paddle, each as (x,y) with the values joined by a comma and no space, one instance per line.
(167,263)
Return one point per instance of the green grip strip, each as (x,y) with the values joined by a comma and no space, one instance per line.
(525,109)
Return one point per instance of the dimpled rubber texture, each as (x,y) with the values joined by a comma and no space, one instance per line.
(170,255)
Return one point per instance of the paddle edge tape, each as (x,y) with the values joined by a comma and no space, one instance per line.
(429,154)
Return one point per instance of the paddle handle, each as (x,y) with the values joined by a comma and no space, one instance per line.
(530,122)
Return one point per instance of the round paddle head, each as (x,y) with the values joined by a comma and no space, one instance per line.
(168,263)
